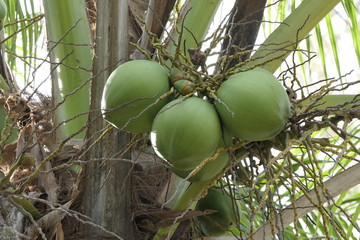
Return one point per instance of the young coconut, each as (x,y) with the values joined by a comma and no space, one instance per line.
(220,222)
(130,90)
(186,131)
(213,166)
(253,105)
(177,77)
(208,171)
(184,87)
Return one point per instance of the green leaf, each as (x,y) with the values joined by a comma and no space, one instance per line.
(332,39)
(321,49)
(23,44)
(354,28)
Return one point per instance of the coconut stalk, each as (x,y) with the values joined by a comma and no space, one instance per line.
(70,50)
(285,39)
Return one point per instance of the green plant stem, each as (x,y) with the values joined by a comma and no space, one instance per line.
(193,23)
(70,50)
(190,195)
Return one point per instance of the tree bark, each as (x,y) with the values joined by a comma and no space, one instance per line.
(106,198)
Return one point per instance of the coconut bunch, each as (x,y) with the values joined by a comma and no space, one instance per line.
(193,121)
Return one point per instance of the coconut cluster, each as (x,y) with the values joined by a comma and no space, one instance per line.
(187,130)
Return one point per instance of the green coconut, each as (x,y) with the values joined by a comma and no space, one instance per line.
(253,105)
(210,169)
(220,222)
(184,87)
(186,131)
(130,90)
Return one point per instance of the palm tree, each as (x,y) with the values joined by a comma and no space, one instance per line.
(66,173)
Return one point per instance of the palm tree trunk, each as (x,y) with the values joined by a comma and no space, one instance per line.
(106,198)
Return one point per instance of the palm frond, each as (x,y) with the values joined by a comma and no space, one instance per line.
(23,46)
(352,11)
